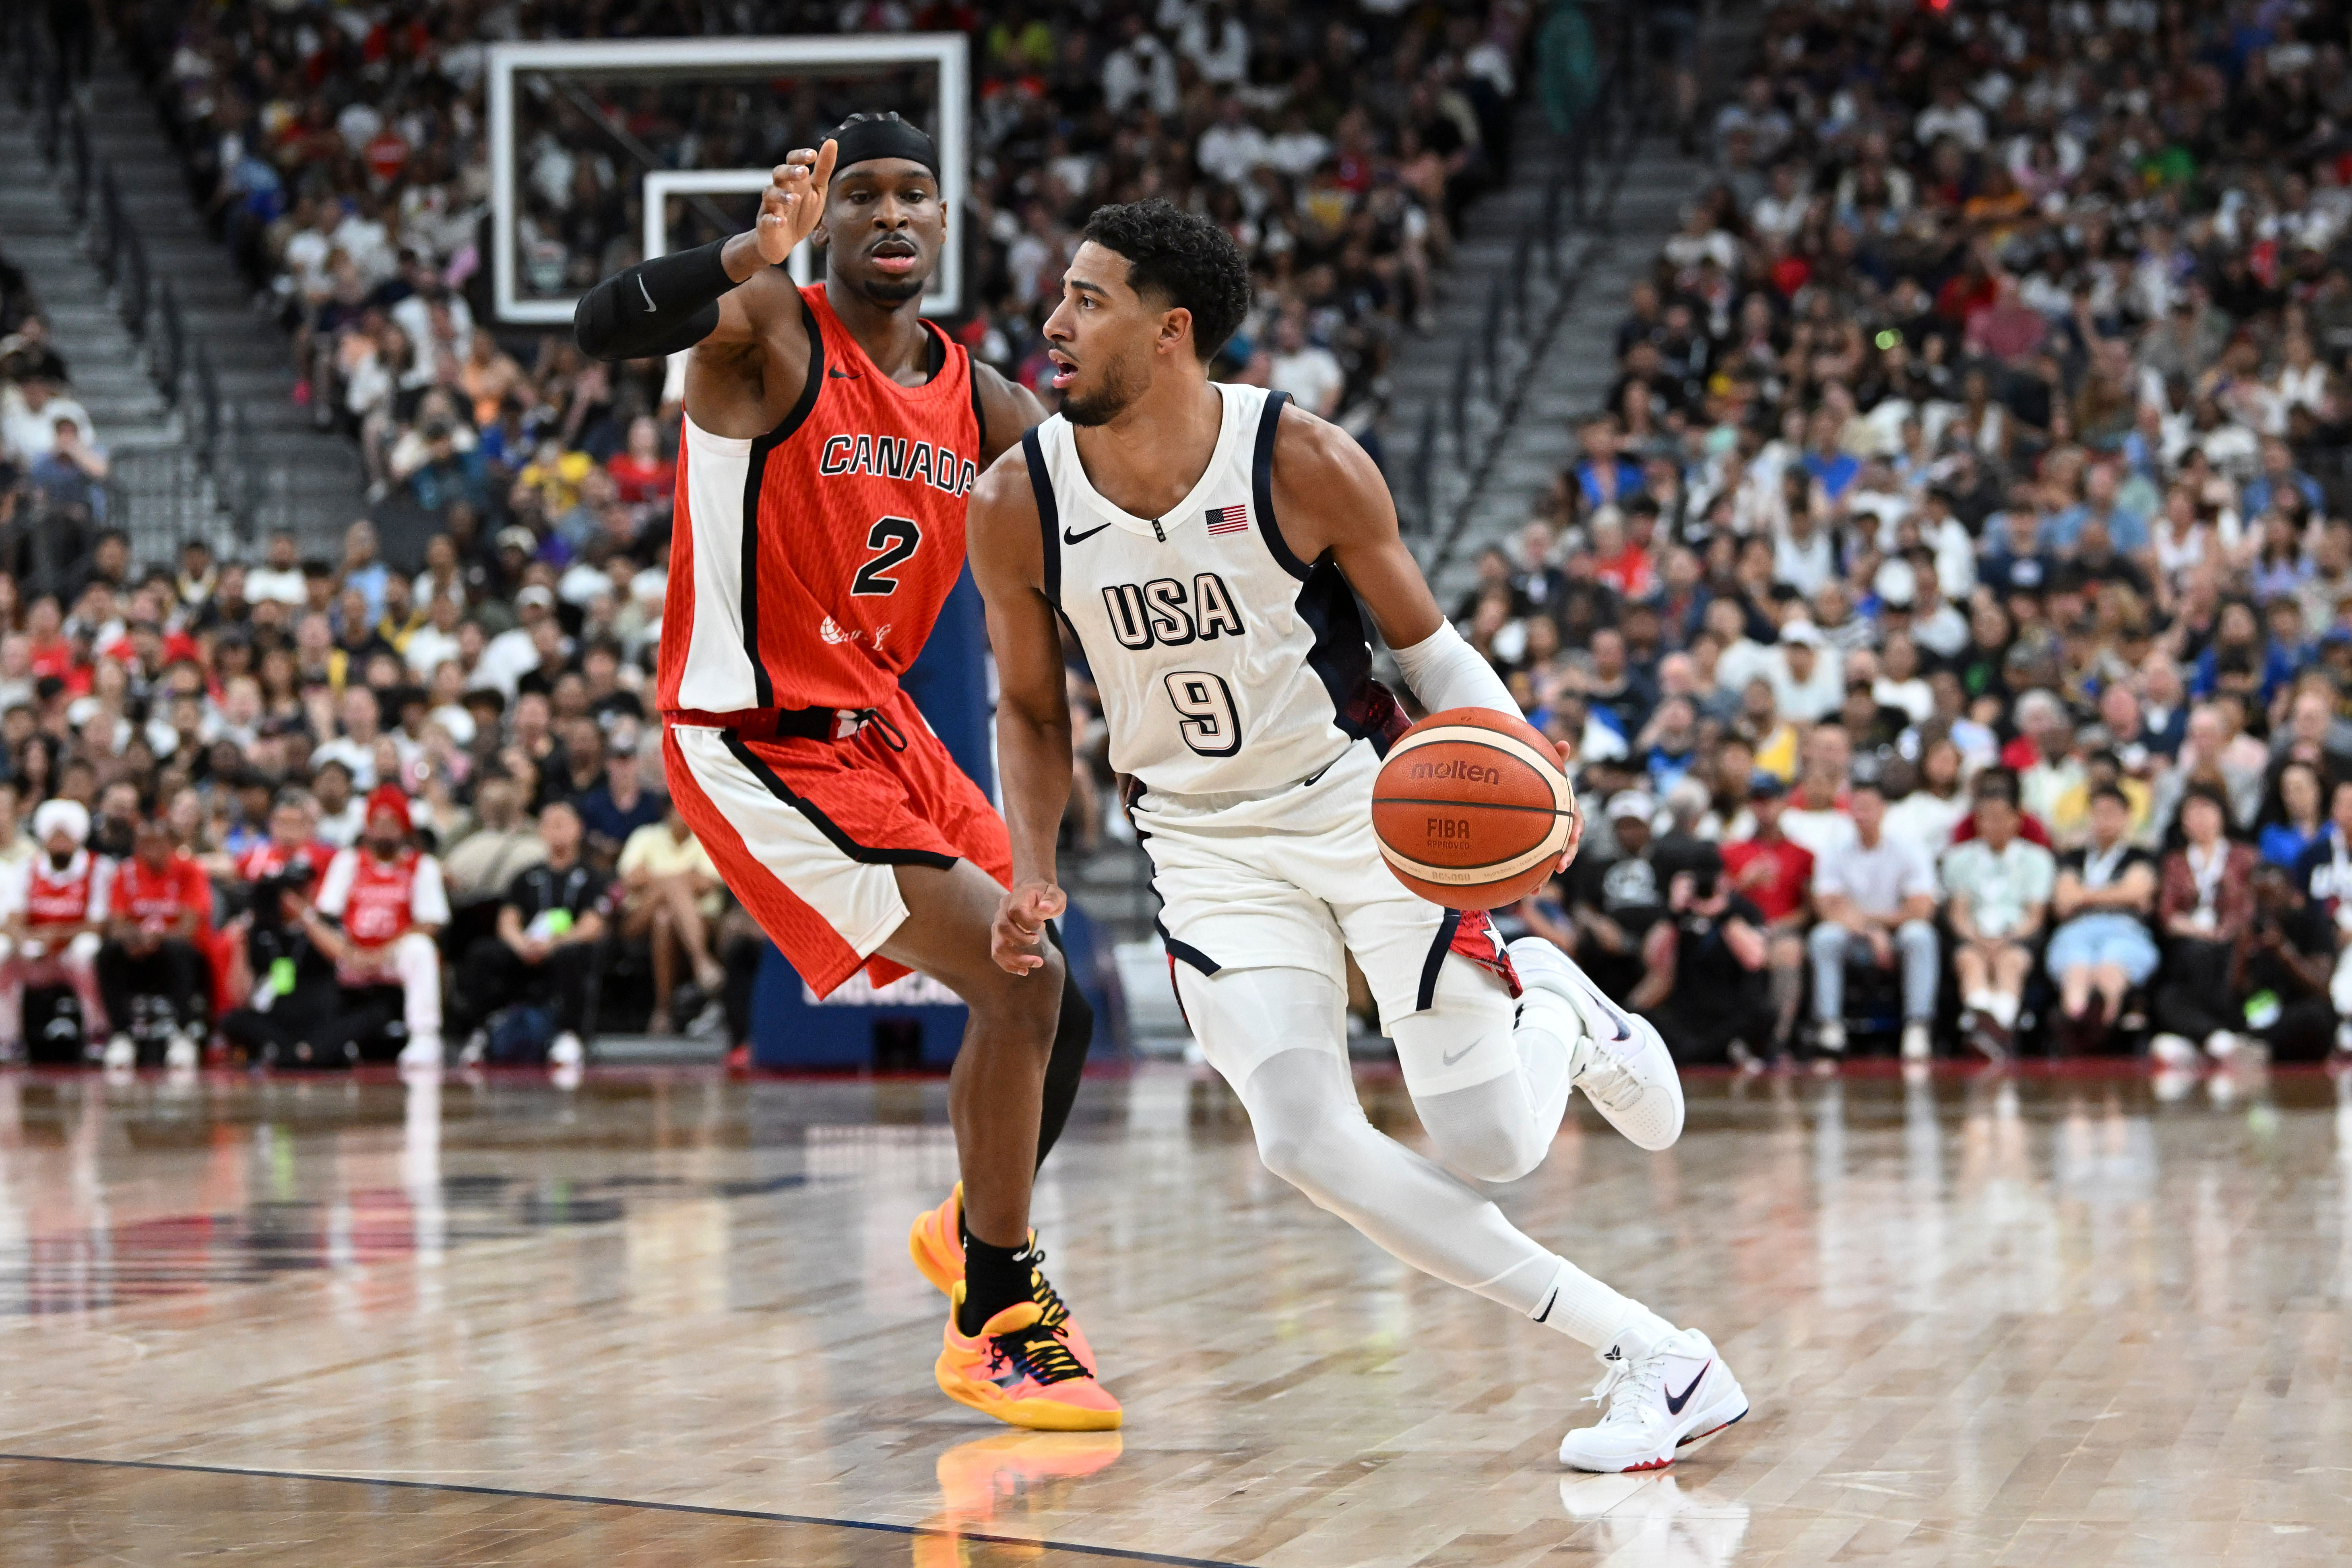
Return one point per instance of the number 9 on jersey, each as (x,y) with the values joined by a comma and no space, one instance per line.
(1205,706)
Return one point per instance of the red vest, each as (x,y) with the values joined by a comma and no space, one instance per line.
(138,893)
(379,908)
(60,897)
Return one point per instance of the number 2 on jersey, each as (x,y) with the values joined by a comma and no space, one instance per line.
(1209,725)
(896,538)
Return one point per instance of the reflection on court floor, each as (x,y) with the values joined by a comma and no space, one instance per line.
(2074,1317)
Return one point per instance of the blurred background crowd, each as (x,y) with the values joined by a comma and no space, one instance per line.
(472,659)
(1955,594)
(344,148)
(1946,607)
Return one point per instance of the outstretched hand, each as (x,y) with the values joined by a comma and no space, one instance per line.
(1013,938)
(793,202)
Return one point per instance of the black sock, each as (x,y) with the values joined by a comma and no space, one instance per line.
(1074,1031)
(994,1278)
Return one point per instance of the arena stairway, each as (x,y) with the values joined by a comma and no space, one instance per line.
(311,480)
(39,234)
(1636,208)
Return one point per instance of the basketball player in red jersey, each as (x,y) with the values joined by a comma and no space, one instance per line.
(831,439)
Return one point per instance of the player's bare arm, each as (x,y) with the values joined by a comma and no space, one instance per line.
(1033,710)
(1007,411)
(727,304)
(1330,499)
(1330,502)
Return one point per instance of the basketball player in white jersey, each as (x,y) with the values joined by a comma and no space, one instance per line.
(1201,541)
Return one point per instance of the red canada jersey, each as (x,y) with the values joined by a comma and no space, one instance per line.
(377,905)
(67,897)
(135,893)
(378,901)
(807,566)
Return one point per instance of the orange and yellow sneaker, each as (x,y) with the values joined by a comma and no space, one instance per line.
(1022,1372)
(935,1242)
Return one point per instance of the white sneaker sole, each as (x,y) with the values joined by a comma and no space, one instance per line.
(1727,1408)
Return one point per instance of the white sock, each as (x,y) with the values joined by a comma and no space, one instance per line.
(2002,1007)
(1981,1001)
(1578,1305)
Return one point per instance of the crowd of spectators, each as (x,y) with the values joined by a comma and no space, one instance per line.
(300,804)
(345,150)
(53,468)
(1951,608)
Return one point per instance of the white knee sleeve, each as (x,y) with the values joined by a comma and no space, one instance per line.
(1311,1132)
(1490,1079)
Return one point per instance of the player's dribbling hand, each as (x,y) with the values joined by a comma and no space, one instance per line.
(1020,925)
(793,202)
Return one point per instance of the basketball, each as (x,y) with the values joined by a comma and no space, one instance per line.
(1472,810)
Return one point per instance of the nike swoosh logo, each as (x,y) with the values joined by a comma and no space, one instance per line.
(1675,1402)
(838,373)
(651,308)
(1450,1058)
(1624,1030)
(1545,1315)
(1070,538)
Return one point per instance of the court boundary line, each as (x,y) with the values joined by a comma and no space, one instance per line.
(1123,1554)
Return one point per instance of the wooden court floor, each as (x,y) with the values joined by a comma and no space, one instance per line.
(667,1318)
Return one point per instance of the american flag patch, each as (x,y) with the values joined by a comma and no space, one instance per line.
(1228,519)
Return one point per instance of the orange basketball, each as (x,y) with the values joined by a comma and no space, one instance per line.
(1472,810)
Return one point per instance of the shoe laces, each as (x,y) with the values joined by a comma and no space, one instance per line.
(1626,1387)
(1036,1353)
(1040,1349)
(1052,1315)
(1601,1075)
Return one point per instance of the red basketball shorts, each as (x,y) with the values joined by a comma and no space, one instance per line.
(810,833)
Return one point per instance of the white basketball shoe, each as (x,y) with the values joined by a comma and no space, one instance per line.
(1661,1400)
(1622,1065)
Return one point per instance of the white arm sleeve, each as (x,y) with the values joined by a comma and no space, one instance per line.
(1444,672)
(428,900)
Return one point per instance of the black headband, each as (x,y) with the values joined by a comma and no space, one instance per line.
(860,140)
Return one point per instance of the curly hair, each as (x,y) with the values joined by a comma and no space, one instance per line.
(1184,259)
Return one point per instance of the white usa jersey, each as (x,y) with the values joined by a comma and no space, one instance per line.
(1225,663)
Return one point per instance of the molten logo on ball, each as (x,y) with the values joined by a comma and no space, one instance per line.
(1456,769)
(1472,810)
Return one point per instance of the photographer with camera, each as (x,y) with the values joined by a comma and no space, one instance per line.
(276,876)
(291,1000)
(1707,992)
(2284,967)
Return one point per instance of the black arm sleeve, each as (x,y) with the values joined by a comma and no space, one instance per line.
(657,307)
